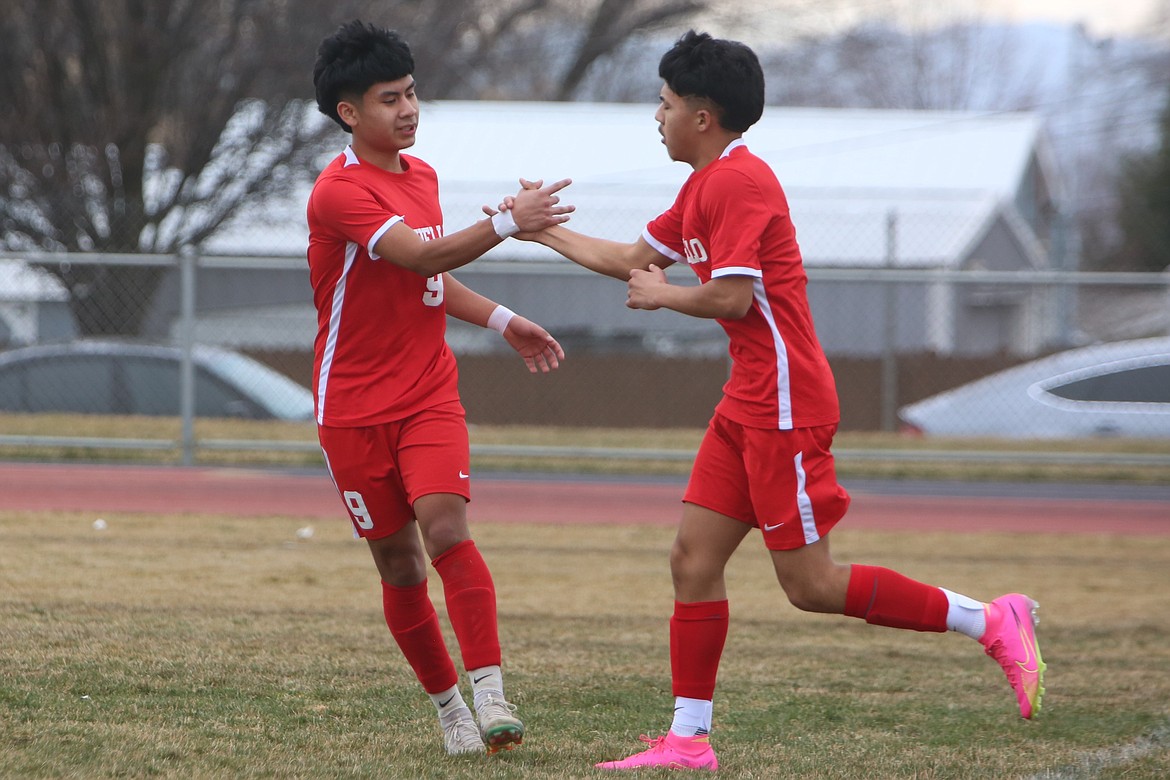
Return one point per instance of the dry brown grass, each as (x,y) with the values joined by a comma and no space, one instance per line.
(199,646)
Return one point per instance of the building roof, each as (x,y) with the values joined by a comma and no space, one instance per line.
(942,173)
(23,283)
(483,141)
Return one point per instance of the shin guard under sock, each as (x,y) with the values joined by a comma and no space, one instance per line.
(697,634)
(413,623)
(886,598)
(471,603)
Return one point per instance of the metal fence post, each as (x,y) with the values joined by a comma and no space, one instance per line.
(1065,257)
(889,341)
(188,259)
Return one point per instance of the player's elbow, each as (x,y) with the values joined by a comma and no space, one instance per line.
(734,298)
(425,262)
(402,247)
(729,310)
(737,310)
(416,264)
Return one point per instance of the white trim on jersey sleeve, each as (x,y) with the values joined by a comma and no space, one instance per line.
(737,270)
(334,326)
(662,248)
(783,380)
(394,220)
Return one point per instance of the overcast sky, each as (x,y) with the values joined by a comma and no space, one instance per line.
(771,21)
(1102,17)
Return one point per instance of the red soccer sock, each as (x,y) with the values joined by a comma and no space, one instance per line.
(697,634)
(413,623)
(886,598)
(471,603)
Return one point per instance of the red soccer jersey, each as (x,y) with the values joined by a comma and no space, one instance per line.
(380,352)
(731,219)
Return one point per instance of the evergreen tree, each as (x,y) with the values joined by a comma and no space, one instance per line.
(1144,208)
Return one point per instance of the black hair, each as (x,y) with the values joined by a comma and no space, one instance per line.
(354,58)
(726,73)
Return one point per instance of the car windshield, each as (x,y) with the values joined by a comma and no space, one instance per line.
(274,391)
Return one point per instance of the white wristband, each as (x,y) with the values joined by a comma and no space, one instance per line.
(499,318)
(505,224)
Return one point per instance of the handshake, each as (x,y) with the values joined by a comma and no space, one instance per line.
(531,210)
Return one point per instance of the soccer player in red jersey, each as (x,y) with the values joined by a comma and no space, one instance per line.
(765,460)
(389,417)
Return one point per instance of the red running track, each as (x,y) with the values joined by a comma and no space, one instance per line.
(106,489)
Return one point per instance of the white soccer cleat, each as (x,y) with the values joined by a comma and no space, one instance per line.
(501,729)
(461,736)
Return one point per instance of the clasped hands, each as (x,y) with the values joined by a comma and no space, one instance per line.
(643,284)
(535,207)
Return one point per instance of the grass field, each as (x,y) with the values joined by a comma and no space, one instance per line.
(201,646)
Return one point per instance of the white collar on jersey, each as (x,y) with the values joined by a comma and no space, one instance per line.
(738,142)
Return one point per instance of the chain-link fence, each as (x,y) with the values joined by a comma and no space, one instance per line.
(189,353)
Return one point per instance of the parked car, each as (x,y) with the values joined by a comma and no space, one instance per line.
(1116,389)
(123,377)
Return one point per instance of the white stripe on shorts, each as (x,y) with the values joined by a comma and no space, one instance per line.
(804,503)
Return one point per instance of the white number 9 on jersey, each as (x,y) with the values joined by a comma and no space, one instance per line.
(434,294)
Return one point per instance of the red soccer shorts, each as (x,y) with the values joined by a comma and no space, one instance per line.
(782,482)
(381,470)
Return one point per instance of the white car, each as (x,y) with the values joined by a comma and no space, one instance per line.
(1116,389)
(123,377)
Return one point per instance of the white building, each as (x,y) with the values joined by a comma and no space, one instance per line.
(960,191)
(34,306)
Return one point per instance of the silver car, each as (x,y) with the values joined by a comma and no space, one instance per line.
(123,377)
(1116,389)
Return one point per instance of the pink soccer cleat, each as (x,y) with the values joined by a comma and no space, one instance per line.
(1010,638)
(670,752)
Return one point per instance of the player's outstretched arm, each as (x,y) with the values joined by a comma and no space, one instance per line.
(534,210)
(612,258)
(540,351)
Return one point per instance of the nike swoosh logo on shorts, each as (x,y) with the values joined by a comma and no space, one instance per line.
(772,527)
(462,475)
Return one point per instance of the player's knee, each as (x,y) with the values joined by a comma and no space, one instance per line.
(400,567)
(802,598)
(442,537)
(692,572)
(441,532)
(682,562)
(804,593)
(813,595)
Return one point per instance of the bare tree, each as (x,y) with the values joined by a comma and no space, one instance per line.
(610,23)
(959,67)
(533,49)
(138,126)
(1159,22)
(451,40)
(143,125)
